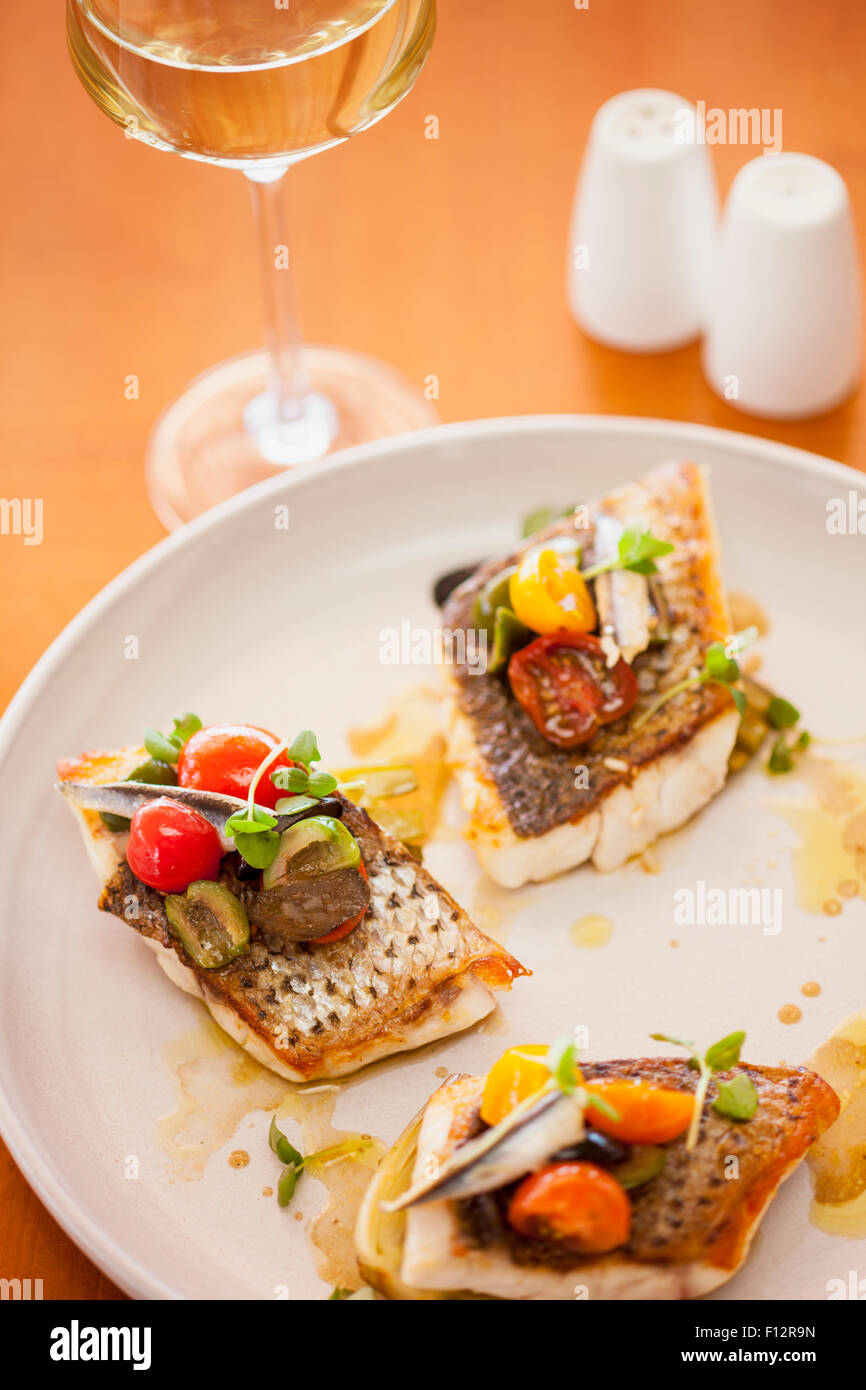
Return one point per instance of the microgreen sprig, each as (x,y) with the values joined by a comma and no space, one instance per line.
(561,1062)
(301,782)
(737,1099)
(166,748)
(781,714)
(720,668)
(784,717)
(782,753)
(637,550)
(295,1163)
(253,829)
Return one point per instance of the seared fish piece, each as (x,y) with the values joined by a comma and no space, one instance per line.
(530,815)
(415,969)
(691,1226)
(521,1143)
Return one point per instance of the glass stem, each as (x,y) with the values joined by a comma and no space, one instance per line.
(290,422)
(288,381)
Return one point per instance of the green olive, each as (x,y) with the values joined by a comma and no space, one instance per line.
(312,847)
(209,922)
(644,1163)
(509,635)
(493,595)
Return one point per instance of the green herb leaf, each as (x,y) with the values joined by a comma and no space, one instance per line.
(321,784)
(287,1184)
(288,805)
(725,1054)
(161,748)
(290,779)
(337,1295)
(561,1062)
(737,1098)
(165,748)
(739,700)
(535,521)
(781,714)
(719,669)
(720,666)
(780,757)
(285,1151)
(304,749)
(241,823)
(677,1042)
(638,550)
(259,850)
(184,728)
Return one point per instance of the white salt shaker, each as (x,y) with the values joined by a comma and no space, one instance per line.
(783,324)
(643,224)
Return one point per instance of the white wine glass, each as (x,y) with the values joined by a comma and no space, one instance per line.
(258,85)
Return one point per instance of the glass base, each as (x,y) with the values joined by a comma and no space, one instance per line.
(221,436)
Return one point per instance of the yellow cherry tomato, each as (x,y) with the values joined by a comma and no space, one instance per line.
(549,594)
(519,1073)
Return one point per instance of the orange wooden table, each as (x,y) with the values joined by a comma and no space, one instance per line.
(441,256)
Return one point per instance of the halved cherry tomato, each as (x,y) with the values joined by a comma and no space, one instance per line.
(349,925)
(578,1205)
(549,594)
(647,1114)
(224,757)
(567,689)
(171,846)
(520,1072)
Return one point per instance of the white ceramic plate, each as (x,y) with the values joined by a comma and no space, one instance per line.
(239,619)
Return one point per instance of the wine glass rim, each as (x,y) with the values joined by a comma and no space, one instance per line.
(143,51)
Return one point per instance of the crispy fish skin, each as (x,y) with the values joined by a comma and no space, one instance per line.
(691,1226)
(518,787)
(414,969)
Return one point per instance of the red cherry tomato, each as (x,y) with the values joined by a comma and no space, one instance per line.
(578,1205)
(345,927)
(170,846)
(567,689)
(224,757)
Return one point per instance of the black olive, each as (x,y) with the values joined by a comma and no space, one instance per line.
(242,870)
(327,806)
(310,908)
(596,1148)
(445,585)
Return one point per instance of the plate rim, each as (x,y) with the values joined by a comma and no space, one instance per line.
(114,1260)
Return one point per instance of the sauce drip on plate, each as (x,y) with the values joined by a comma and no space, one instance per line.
(216,1085)
(345,1181)
(591,932)
(830,860)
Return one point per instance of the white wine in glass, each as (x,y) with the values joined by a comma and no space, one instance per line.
(257,85)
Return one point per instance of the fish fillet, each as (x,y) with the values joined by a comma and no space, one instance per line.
(414,970)
(534,810)
(691,1227)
